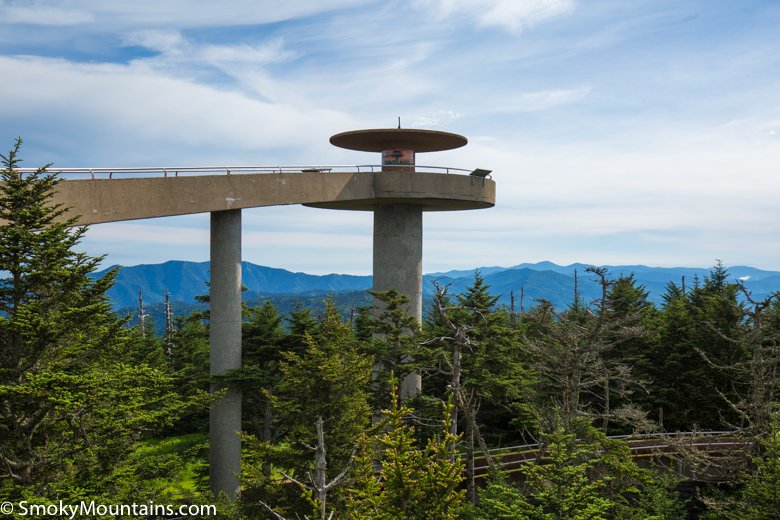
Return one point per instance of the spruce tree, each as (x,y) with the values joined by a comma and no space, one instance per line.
(262,336)
(718,320)
(495,370)
(393,343)
(635,335)
(330,380)
(671,360)
(393,478)
(72,401)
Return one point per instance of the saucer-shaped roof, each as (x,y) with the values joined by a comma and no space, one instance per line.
(379,139)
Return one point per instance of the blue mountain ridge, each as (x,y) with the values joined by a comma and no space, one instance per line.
(528,281)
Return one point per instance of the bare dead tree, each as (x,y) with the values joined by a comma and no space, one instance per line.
(460,342)
(318,481)
(141,313)
(512,313)
(522,299)
(757,379)
(570,356)
(170,329)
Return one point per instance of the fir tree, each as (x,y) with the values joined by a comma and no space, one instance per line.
(72,400)
(393,343)
(262,336)
(329,380)
(495,369)
(394,479)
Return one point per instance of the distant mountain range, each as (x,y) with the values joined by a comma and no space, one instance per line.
(186,280)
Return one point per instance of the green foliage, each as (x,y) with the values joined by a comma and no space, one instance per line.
(494,366)
(262,337)
(757,496)
(701,331)
(761,496)
(586,357)
(559,484)
(394,479)
(74,398)
(564,482)
(330,379)
(169,470)
(635,336)
(189,366)
(325,377)
(301,325)
(392,337)
(579,475)
(500,500)
(658,499)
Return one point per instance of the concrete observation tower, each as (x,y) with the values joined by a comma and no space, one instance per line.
(398,221)
(398,192)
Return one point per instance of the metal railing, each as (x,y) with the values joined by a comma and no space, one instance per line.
(181,171)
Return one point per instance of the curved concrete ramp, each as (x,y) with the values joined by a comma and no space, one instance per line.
(111,200)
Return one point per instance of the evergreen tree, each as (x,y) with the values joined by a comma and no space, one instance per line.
(560,484)
(760,498)
(635,336)
(393,338)
(72,399)
(329,380)
(302,326)
(495,369)
(671,360)
(699,337)
(717,324)
(394,479)
(189,362)
(757,493)
(573,353)
(262,337)
(557,486)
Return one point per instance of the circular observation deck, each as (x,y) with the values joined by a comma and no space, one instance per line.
(381,139)
(426,190)
(400,182)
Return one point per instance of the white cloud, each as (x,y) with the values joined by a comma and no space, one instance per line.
(542,100)
(512,15)
(165,42)
(135,115)
(172,45)
(167,13)
(259,54)
(38,14)
(435,119)
(611,135)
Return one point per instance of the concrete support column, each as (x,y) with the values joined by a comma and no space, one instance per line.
(398,264)
(225,339)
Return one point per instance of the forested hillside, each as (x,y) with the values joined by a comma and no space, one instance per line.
(94,408)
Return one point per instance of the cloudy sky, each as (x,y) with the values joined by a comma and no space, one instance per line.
(641,131)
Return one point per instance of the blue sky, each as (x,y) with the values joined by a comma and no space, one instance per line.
(619,132)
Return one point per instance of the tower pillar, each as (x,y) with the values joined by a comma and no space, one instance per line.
(225,352)
(398,224)
(398,264)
